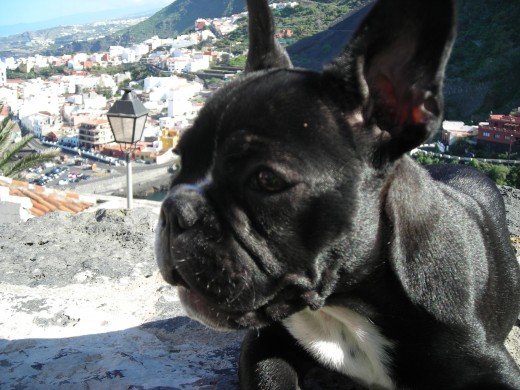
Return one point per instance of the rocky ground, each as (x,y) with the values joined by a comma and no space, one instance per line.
(83,307)
(512,201)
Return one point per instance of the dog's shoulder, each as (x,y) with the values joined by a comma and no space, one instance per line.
(435,188)
(470,182)
(442,222)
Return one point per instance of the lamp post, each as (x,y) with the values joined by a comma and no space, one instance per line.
(127,118)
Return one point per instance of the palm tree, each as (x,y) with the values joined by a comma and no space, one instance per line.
(8,148)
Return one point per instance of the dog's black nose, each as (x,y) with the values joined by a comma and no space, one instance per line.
(183,208)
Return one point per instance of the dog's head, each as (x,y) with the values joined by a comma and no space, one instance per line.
(278,196)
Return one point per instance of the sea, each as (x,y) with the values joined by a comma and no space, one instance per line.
(157,196)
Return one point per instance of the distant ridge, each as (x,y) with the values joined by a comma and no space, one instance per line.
(83,18)
(482,74)
(315,51)
(170,21)
(179,16)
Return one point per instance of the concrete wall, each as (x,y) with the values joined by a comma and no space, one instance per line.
(143,183)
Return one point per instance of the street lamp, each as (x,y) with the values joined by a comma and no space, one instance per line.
(127,118)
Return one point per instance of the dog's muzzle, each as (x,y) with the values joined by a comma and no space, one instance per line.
(219,270)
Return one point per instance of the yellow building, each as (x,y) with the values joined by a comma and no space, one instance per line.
(169,138)
(26,66)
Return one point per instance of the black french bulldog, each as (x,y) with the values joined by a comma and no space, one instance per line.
(297,214)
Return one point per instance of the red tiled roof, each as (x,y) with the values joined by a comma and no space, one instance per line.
(46,200)
(96,121)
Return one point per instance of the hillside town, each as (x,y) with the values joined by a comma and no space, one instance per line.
(69,110)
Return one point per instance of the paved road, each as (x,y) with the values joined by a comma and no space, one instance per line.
(104,172)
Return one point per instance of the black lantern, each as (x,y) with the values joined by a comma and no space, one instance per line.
(127,118)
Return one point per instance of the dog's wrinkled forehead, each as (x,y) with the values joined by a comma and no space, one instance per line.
(288,107)
(273,103)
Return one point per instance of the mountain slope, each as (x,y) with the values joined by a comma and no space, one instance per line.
(181,15)
(315,51)
(168,22)
(482,74)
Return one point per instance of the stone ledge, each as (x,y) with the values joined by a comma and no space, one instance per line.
(83,306)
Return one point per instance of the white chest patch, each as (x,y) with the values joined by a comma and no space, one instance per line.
(344,341)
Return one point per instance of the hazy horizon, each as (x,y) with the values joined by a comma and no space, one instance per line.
(33,15)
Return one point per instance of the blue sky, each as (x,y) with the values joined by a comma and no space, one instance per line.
(31,11)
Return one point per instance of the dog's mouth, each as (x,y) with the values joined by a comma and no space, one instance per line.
(198,308)
(232,312)
(288,301)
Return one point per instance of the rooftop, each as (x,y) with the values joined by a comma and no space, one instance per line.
(18,198)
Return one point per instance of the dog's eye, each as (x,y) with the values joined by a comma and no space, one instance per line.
(267,181)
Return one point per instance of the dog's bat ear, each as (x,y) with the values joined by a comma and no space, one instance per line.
(396,62)
(264,51)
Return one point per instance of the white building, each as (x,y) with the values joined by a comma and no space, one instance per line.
(177,65)
(94,101)
(185,40)
(283,5)
(141,49)
(166,122)
(42,102)
(106,81)
(96,57)
(197,64)
(129,56)
(11,63)
(154,42)
(8,96)
(40,124)
(178,95)
(80,57)
(75,99)
(179,108)
(40,61)
(454,130)
(116,51)
(14,208)
(154,83)
(75,66)
(3,73)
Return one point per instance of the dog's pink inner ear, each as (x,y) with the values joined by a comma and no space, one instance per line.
(400,108)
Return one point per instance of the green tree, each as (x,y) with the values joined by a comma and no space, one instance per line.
(459,148)
(475,164)
(11,167)
(513,178)
(498,173)
(238,61)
